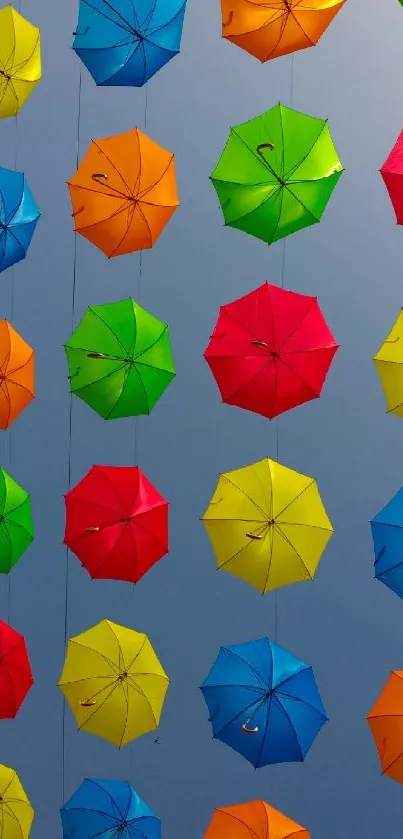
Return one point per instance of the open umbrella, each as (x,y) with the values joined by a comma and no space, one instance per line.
(385,720)
(263,702)
(16,811)
(389,365)
(16,677)
(125,42)
(270,350)
(253,819)
(124,193)
(16,527)
(103,809)
(17,374)
(19,216)
(20,60)
(387,535)
(276,173)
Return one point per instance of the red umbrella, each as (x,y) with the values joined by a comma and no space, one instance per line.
(392,173)
(270,350)
(116,523)
(15,671)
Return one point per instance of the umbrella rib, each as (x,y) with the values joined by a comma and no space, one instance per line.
(127,373)
(294,168)
(131,209)
(245,661)
(241,713)
(109,661)
(109,481)
(260,510)
(110,161)
(151,346)
(141,195)
(109,328)
(280,512)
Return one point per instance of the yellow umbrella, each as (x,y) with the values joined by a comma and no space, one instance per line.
(16,811)
(114,682)
(267,524)
(20,60)
(389,364)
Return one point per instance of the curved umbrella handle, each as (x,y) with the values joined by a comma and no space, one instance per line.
(229,20)
(264,146)
(88,703)
(91,530)
(259,343)
(253,536)
(249,730)
(97,175)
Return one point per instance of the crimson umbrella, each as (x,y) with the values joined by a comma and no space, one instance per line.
(116,523)
(270,350)
(392,174)
(15,671)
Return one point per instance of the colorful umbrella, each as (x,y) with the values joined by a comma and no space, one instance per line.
(119,359)
(269,28)
(124,193)
(253,820)
(392,172)
(125,42)
(267,525)
(276,173)
(17,374)
(103,809)
(116,523)
(15,671)
(389,365)
(386,723)
(20,60)
(113,682)
(16,811)
(19,216)
(387,535)
(263,702)
(16,527)
(270,351)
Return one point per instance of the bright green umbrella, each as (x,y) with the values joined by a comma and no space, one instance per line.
(16,527)
(120,359)
(276,173)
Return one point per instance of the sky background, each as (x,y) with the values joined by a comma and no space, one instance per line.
(347,625)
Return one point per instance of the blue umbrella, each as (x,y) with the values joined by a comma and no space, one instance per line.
(263,702)
(387,535)
(125,42)
(106,809)
(18,217)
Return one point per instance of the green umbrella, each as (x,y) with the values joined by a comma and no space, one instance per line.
(276,173)
(120,359)
(16,527)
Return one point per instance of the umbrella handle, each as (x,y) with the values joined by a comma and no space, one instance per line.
(266,163)
(97,175)
(394,341)
(87,703)
(229,21)
(253,536)
(259,343)
(249,730)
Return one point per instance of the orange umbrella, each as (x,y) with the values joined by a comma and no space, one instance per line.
(124,193)
(269,28)
(386,723)
(255,819)
(17,385)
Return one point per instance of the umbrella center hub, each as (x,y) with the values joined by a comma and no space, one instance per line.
(122,826)
(123,676)
(5,75)
(271,522)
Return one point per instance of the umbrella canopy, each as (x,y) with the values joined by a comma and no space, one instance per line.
(16,527)
(124,193)
(16,811)
(387,535)
(263,702)
(270,351)
(125,42)
(19,216)
(113,682)
(267,525)
(253,819)
(20,60)
(392,172)
(389,365)
(276,173)
(119,359)
(269,28)
(17,374)
(116,523)
(102,809)
(15,671)
(386,723)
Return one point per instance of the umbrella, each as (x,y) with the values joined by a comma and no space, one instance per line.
(386,723)
(16,811)
(113,682)
(15,671)
(270,350)
(116,523)
(17,371)
(276,173)
(387,535)
(263,702)
(125,42)
(269,28)
(267,525)
(124,193)
(103,809)
(119,359)
(253,819)
(20,60)
(19,216)
(16,527)
(392,172)
(389,365)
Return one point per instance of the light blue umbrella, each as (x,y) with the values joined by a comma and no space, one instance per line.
(19,216)
(387,535)
(106,810)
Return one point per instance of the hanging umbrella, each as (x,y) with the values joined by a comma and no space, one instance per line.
(125,42)
(103,809)
(15,671)
(113,682)
(17,374)
(20,60)
(389,365)
(16,527)
(276,173)
(116,523)
(269,28)
(386,723)
(16,811)
(253,820)
(124,193)
(387,535)
(19,216)
(270,350)
(263,702)
(392,174)
(267,525)
(119,359)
